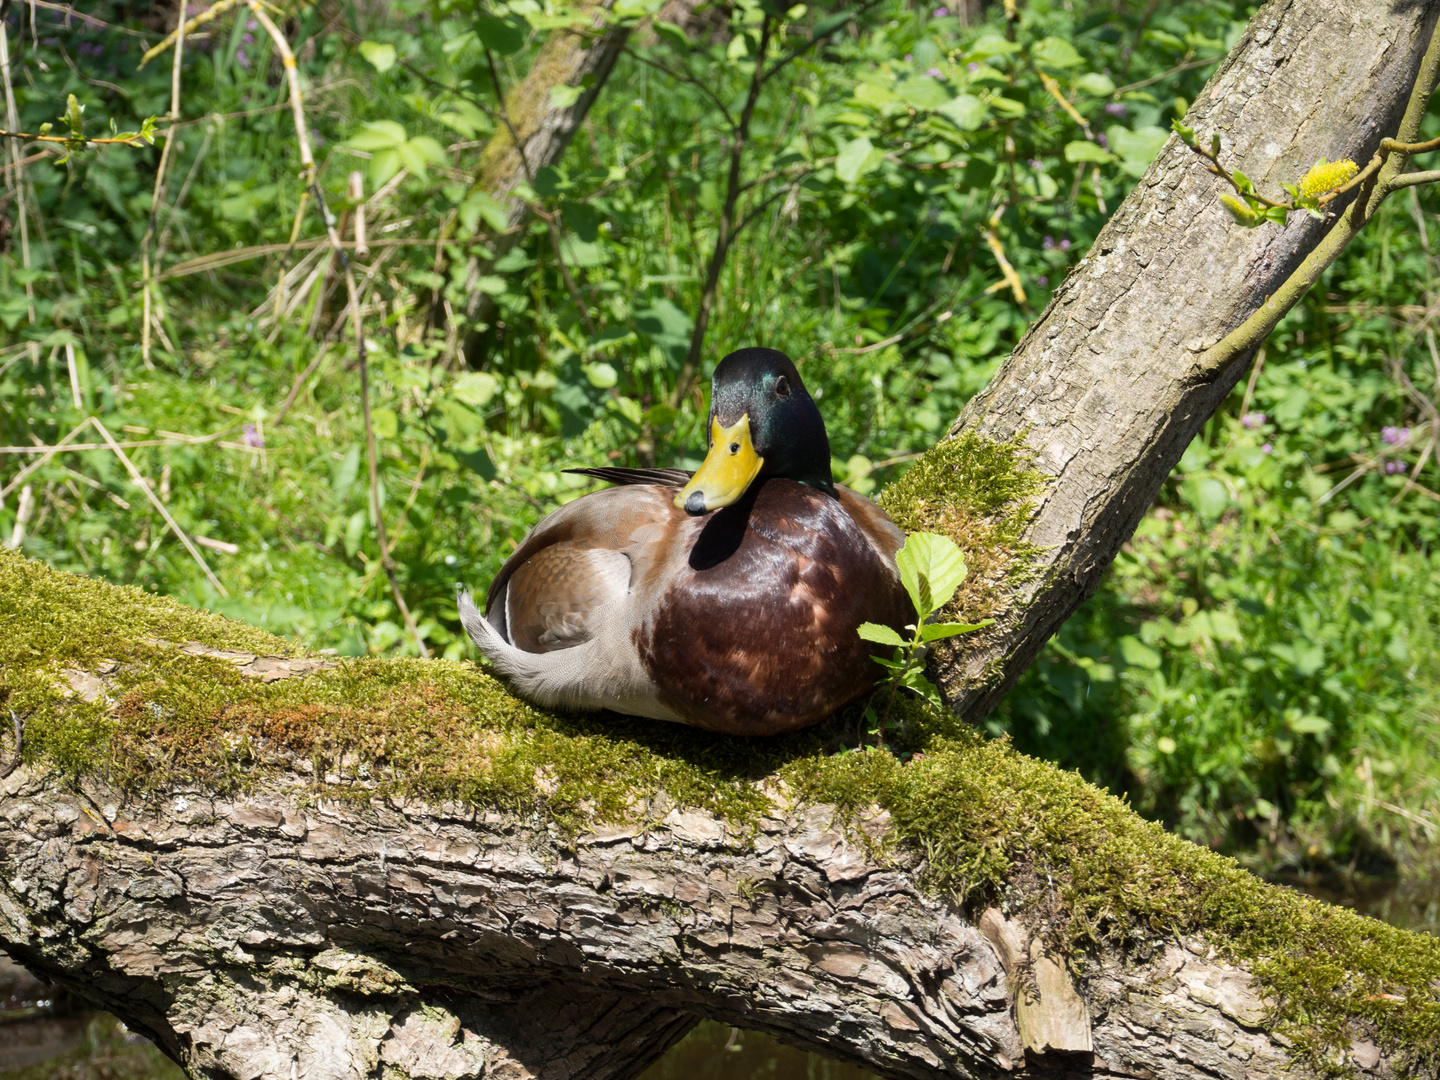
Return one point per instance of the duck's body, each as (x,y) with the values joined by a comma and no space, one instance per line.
(740,619)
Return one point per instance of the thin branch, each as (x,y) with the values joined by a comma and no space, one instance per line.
(1252,333)
(802,49)
(1414,179)
(155,501)
(147,286)
(214,11)
(312,180)
(724,233)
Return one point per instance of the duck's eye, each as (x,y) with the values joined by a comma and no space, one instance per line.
(734,448)
(782,386)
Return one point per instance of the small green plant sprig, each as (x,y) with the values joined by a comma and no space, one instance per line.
(75,140)
(931,569)
(1324,183)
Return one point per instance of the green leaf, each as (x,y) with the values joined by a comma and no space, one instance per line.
(384,422)
(1093,82)
(379,56)
(1207,495)
(937,631)
(671,33)
(1137,654)
(1084,150)
(931,569)
(874,96)
(882,635)
(858,158)
(923,92)
(601,375)
(475,388)
(1243,183)
(377,135)
(967,112)
(504,36)
(1055,52)
(480,206)
(1309,725)
(562,97)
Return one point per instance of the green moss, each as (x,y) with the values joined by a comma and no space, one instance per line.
(981,494)
(992,824)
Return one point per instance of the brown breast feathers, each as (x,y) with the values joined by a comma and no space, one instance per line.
(757,633)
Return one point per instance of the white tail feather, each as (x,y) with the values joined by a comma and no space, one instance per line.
(588,676)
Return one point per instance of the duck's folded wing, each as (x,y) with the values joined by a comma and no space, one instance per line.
(617,475)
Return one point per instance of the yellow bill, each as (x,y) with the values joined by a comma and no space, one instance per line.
(726,471)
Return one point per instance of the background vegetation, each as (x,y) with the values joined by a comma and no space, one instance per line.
(1259,670)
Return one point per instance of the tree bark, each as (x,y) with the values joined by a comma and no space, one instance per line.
(1109,385)
(266,935)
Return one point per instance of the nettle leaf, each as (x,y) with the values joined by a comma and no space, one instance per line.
(475,388)
(967,112)
(377,135)
(1056,53)
(931,569)
(858,158)
(504,36)
(940,630)
(882,635)
(1084,150)
(379,56)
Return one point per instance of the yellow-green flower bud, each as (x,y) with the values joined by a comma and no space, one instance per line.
(1327,177)
(1240,210)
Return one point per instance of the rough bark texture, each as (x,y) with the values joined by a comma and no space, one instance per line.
(281,935)
(1108,385)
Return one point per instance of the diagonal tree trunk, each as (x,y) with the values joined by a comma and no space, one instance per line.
(1111,383)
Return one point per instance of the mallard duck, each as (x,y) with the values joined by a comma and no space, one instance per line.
(728,599)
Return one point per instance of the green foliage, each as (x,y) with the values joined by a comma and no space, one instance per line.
(931,569)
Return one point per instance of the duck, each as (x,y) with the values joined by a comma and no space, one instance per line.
(728,599)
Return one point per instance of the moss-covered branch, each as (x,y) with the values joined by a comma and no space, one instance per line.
(156,705)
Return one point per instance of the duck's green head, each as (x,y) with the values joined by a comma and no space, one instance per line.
(763,423)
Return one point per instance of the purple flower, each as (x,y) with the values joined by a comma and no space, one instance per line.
(941,12)
(1043,280)
(1036,163)
(1103,141)
(1115,108)
(1393,467)
(1065,245)
(248,38)
(1393,436)
(1266,448)
(1048,243)
(934,73)
(242,59)
(251,437)
(1251,420)
(972,66)
(909,57)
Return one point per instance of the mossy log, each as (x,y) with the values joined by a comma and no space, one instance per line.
(281,865)
(1110,384)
